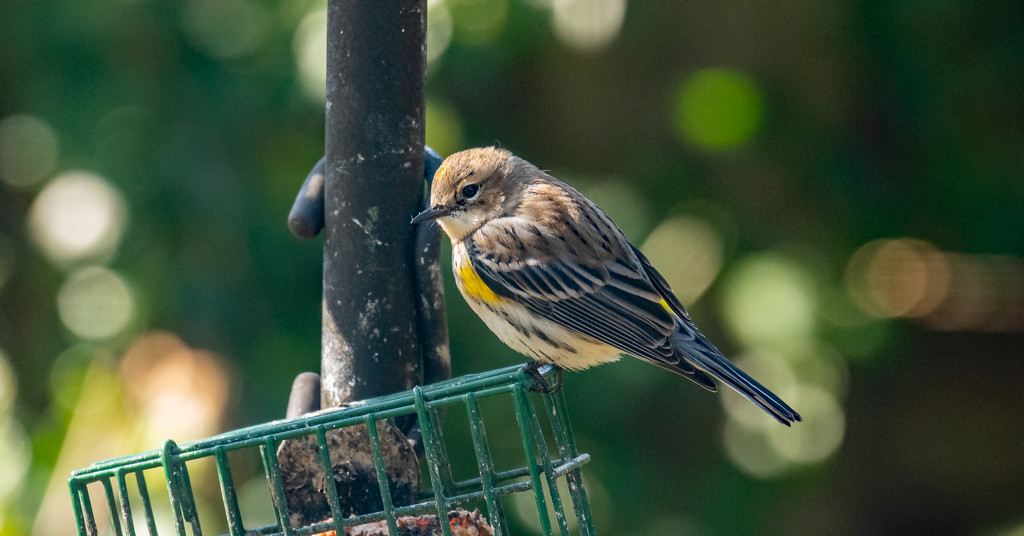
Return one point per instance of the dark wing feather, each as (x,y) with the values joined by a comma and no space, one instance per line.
(697,349)
(613,302)
(660,284)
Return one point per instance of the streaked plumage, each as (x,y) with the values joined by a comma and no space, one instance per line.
(555,279)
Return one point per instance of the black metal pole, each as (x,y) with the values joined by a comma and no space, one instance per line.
(373,186)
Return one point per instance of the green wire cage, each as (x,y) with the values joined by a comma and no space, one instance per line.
(548,447)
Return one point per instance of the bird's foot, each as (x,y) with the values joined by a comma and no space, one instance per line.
(540,383)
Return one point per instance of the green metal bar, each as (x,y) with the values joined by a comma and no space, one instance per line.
(506,489)
(332,491)
(545,458)
(486,466)
(561,466)
(227,493)
(273,471)
(147,456)
(82,506)
(423,507)
(430,448)
(108,493)
(382,474)
(147,504)
(472,482)
(512,473)
(97,475)
(442,450)
(555,404)
(126,506)
(76,507)
(169,461)
(476,482)
(89,512)
(500,381)
(189,509)
(522,416)
(429,506)
(425,402)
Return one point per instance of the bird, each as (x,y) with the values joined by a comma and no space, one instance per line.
(557,280)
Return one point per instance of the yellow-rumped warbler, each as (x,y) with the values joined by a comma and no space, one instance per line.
(555,279)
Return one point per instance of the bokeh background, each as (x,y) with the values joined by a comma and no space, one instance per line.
(835,189)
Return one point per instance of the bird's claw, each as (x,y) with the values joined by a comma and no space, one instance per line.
(540,383)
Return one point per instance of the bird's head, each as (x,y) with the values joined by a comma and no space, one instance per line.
(471,188)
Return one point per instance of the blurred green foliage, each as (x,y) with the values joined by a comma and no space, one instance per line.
(150,151)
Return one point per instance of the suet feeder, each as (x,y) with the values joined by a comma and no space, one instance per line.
(353,467)
(550,455)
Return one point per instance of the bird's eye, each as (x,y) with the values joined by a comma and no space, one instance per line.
(470,191)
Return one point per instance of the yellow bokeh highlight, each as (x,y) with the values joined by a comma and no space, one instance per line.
(718,109)
(78,215)
(162,388)
(768,450)
(749,450)
(820,433)
(911,278)
(15,450)
(95,303)
(310,48)
(903,277)
(439,29)
(688,252)
(16,453)
(587,25)
(769,300)
(181,392)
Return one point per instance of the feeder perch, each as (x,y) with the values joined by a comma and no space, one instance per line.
(122,489)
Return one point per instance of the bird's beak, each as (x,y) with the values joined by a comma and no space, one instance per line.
(432,213)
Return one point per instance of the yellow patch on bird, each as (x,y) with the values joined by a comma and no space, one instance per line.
(666,306)
(475,287)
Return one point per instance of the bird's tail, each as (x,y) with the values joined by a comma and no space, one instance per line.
(696,349)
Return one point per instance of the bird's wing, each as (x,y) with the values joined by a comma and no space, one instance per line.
(697,349)
(660,285)
(609,297)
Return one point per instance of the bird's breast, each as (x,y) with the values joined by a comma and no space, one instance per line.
(468,281)
(523,330)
